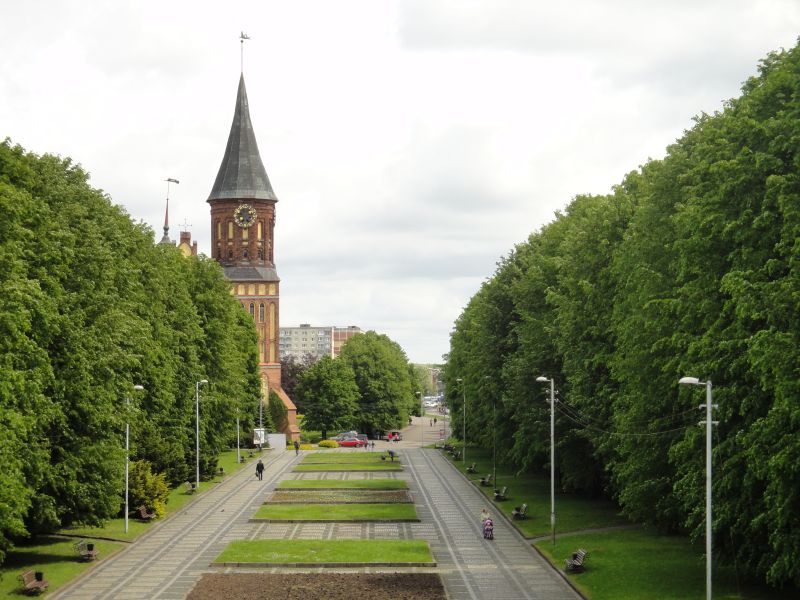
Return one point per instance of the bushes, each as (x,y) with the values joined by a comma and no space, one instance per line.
(147,488)
(328,444)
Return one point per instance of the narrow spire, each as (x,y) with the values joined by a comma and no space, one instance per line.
(165,239)
(242,174)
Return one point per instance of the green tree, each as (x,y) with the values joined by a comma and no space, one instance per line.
(386,392)
(329,393)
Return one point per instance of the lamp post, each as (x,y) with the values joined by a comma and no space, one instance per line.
(464,425)
(421,420)
(197,431)
(238,456)
(552,454)
(137,388)
(709,405)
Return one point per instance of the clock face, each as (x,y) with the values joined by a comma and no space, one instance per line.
(244,215)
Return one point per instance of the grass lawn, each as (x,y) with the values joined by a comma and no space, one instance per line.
(326,551)
(632,565)
(573,513)
(53,556)
(339,496)
(115,528)
(319,467)
(343,484)
(344,456)
(336,512)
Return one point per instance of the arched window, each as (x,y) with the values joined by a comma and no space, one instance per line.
(230,230)
(252,310)
(245,254)
(261,313)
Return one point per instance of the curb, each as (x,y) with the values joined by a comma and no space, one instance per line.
(257,520)
(268,565)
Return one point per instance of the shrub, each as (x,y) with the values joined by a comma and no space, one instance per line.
(306,446)
(310,437)
(147,488)
(328,444)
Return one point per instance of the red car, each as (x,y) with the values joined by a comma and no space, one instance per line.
(351,443)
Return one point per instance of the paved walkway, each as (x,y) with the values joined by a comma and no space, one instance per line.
(168,561)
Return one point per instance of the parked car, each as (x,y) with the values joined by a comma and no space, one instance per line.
(345,434)
(396,435)
(351,443)
(363,437)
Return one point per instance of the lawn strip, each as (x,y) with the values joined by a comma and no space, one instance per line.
(634,564)
(343,456)
(326,552)
(336,512)
(343,484)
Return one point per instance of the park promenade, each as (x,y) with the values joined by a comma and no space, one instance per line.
(166,562)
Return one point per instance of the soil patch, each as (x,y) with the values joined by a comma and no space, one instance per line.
(314,586)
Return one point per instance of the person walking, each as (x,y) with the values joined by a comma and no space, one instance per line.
(260,470)
(296,447)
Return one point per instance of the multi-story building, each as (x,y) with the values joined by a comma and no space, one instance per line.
(314,341)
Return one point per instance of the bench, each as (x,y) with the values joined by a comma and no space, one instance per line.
(31,585)
(471,468)
(85,550)
(221,471)
(501,494)
(520,512)
(144,514)
(449,447)
(486,480)
(188,487)
(457,455)
(575,564)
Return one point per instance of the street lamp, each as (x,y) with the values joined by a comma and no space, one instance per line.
(137,388)
(421,420)
(709,405)
(552,454)
(197,431)
(238,456)
(464,428)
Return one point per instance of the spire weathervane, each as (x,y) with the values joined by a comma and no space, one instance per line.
(165,239)
(242,38)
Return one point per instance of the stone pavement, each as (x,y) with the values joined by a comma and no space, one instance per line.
(167,562)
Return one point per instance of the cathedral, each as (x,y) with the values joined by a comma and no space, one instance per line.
(243,243)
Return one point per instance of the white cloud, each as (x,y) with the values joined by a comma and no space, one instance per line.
(411,143)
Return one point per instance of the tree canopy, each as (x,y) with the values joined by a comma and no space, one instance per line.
(90,307)
(690,266)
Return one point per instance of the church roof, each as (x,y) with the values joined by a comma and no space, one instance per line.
(242,174)
(251,273)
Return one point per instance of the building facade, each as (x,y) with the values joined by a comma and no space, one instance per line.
(242,242)
(341,335)
(315,341)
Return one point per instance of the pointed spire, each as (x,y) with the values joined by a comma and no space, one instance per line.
(242,174)
(165,239)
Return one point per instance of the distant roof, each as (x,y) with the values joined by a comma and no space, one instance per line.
(242,174)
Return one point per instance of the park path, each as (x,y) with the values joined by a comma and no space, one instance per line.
(167,561)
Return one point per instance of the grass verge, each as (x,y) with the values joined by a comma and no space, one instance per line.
(340,496)
(337,512)
(326,551)
(52,555)
(635,564)
(343,456)
(343,484)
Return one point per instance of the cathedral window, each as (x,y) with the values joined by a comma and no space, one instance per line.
(230,230)
(252,310)
(219,230)
(261,313)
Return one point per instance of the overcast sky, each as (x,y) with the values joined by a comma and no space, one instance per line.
(411,143)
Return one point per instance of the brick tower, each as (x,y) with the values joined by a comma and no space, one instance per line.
(242,241)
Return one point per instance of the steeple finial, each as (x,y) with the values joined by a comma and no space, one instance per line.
(242,38)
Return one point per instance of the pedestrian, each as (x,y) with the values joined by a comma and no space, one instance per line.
(391,454)
(484,515)
(431,422)
(260,470)
(434,420)
(296,447)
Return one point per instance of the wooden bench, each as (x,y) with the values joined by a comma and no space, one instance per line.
(85,550)
(31,585)
(221,471)
(501,494)
(457,455)
(144,514)
(520,512)
(471,468)
(486,480)
(188,487)
(575,564)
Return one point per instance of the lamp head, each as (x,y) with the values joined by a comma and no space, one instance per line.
(542,379)
(459,380)
(138,388)
(689,381)
(202,381)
